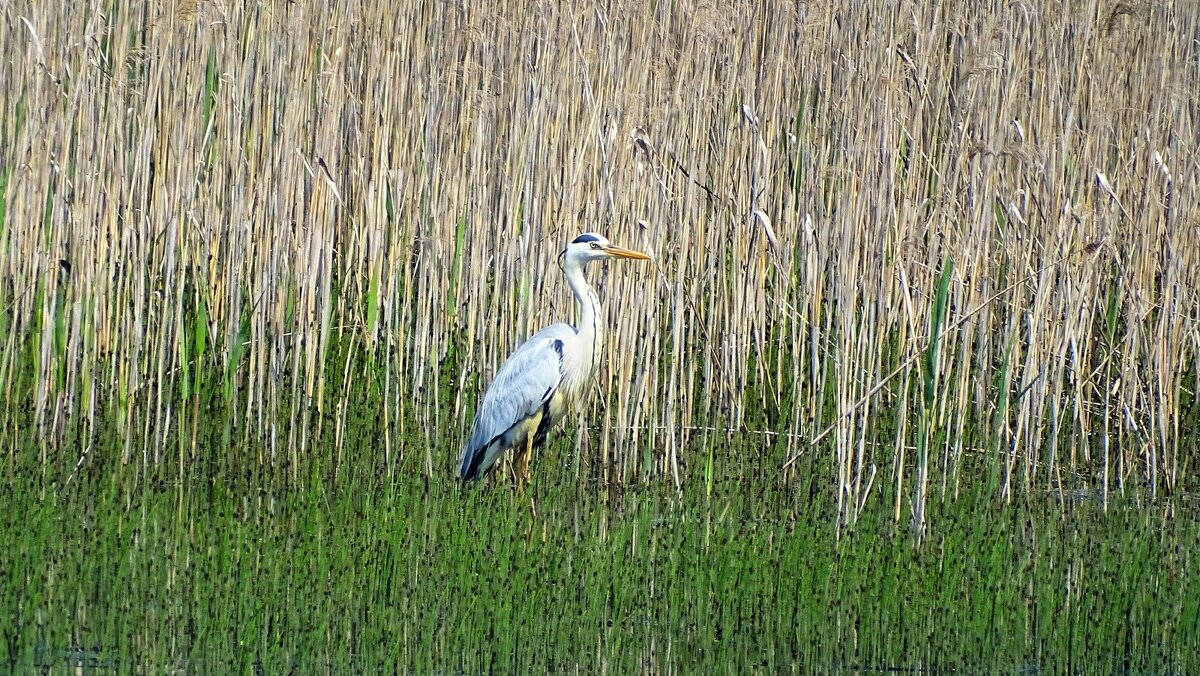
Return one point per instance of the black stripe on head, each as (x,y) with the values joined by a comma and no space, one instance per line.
(586,237)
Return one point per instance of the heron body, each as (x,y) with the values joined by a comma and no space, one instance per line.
(547,376)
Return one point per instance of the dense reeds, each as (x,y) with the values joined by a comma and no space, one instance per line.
(953,241)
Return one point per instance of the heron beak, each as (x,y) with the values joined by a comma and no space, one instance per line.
(621,252)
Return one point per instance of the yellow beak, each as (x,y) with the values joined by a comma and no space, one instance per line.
(621,252)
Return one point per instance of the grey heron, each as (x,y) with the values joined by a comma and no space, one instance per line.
(547,376)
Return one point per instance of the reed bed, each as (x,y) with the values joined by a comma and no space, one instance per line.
(909,246)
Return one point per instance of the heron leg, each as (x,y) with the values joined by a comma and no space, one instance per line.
(521,463)
(525,478)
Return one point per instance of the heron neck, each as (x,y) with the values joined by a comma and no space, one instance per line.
(588,325)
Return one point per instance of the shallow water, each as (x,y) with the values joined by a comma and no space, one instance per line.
(352,572)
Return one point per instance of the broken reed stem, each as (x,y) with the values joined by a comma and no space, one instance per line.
(920,351)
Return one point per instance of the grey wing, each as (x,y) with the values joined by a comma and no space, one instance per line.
(522,386)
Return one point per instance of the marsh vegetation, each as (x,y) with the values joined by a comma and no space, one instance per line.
(911,383)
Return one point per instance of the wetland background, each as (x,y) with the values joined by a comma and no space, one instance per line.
(910,385)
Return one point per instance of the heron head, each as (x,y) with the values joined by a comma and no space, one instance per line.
(590,247)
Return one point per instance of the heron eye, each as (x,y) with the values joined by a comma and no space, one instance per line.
(595,245)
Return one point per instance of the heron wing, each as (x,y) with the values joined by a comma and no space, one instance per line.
(526,381)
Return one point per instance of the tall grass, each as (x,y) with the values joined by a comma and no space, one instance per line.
(199,200)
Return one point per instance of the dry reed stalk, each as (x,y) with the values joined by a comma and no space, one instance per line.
(239,191)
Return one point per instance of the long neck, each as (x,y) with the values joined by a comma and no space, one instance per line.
(591,331)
